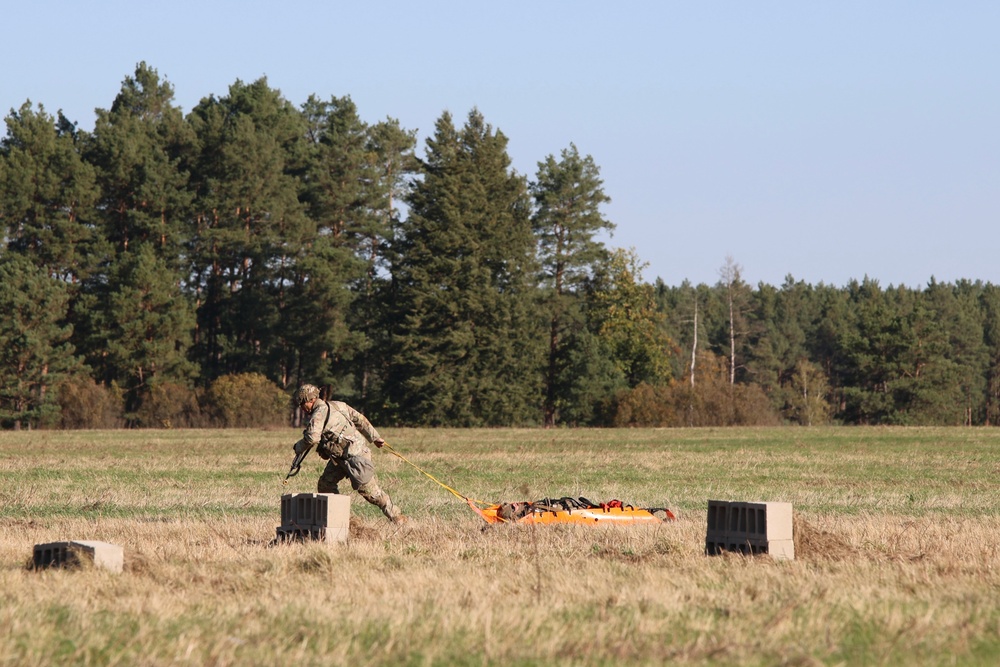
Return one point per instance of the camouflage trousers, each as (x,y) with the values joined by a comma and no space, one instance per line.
(361,473)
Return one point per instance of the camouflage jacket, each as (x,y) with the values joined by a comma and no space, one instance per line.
(340,429)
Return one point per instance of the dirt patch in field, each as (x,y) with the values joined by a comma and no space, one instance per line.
(811,543)
(361,530)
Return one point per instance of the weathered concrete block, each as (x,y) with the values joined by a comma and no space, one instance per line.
(718,520)
(750,528)
(325,517)
(772,521)
(303,509)
(714,548)
(781,549)
(107,556)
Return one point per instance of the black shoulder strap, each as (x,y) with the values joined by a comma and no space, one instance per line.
(329,409)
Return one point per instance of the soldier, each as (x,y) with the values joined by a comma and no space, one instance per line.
(339,433)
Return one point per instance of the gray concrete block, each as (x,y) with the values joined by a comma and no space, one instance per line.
(777,521)
(718,520)
(781,549)
(325,517)
(106,556)
(750,528)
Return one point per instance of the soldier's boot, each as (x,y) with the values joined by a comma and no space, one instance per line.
(393,513)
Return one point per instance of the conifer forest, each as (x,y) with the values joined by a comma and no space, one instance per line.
(191,270)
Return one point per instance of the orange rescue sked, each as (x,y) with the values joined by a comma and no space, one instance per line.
(573,511)
(552,510)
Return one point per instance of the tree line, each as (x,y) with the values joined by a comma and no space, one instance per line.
(192,270)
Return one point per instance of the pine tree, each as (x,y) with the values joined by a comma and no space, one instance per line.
(132,320)
(989,305)
(873,355)
(465,342)
(250,224)
(947,380)
(968,348)
(832,319)
(777,358)
(142,327)
(139,148)
(688,312)
(47,194)
(317,341)
(568,196)
(35,352)
(767,345)
(392,148)
(353,175)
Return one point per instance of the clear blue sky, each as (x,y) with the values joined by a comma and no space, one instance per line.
(826,140)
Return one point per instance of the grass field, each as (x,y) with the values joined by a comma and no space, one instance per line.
(897,556)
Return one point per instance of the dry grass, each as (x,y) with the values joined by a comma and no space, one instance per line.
(873,583)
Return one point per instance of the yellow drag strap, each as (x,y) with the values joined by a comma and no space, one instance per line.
(385,445)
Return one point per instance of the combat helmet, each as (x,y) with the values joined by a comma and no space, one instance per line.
(306,393)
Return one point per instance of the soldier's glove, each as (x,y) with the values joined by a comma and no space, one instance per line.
(300,447)
(379,442)
(323,451)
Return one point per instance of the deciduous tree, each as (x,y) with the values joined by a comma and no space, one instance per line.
(622,310)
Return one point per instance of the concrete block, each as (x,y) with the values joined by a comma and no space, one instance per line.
(300,509)
(750,528)
(287,534)
(325,517)
(781,549)
(106,556)
(777,521)
(736,524)
(718,520)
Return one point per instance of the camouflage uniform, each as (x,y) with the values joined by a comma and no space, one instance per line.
(339,433)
